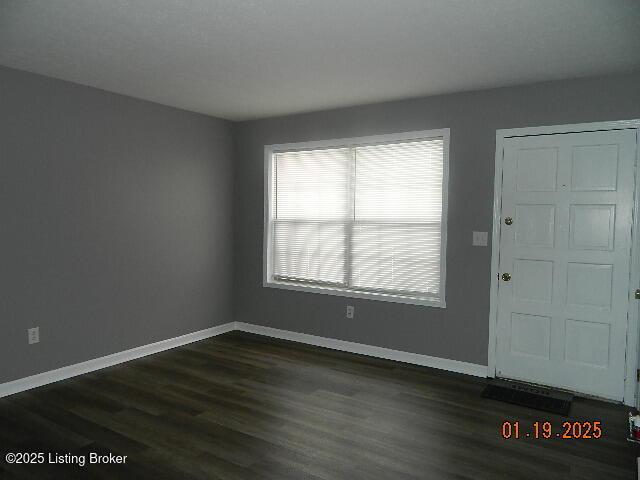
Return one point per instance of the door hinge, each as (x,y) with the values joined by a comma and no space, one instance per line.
(638,375)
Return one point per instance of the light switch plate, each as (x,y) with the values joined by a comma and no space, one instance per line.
(480,239)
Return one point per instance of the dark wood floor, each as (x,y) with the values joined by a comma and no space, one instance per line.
(240,406)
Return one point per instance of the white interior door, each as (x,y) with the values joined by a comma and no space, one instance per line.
(562,316)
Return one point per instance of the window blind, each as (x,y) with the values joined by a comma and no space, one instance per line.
(398,208)
(361,217)
(312,206)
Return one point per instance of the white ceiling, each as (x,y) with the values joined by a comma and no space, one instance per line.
(242,59)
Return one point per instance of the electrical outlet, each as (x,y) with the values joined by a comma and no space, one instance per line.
(33,335)
(351,310)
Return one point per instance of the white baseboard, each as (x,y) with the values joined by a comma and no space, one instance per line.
(27,383)
(379,352)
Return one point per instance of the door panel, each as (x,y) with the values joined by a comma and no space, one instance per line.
(562,318)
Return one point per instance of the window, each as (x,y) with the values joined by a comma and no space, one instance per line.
(361,217)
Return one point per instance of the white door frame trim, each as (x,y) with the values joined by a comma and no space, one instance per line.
(631,357)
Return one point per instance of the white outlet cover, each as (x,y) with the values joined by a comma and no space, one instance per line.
(480,239)
(33,335)
(350,311)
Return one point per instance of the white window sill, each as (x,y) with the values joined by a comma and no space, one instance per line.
(345,292)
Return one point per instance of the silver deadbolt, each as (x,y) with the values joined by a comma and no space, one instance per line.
(638,294)
(506,277)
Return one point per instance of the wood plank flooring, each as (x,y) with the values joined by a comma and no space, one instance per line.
(241,406)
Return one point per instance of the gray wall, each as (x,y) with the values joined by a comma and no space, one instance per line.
(116,226)
(461,330)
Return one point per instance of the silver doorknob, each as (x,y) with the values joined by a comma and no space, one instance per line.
(508,221)
(506,277)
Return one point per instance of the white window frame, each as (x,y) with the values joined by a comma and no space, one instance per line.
(268,281)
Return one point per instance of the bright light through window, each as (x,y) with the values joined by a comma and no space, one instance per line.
(359,217)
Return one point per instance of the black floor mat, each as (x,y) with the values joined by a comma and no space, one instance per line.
(529,396)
